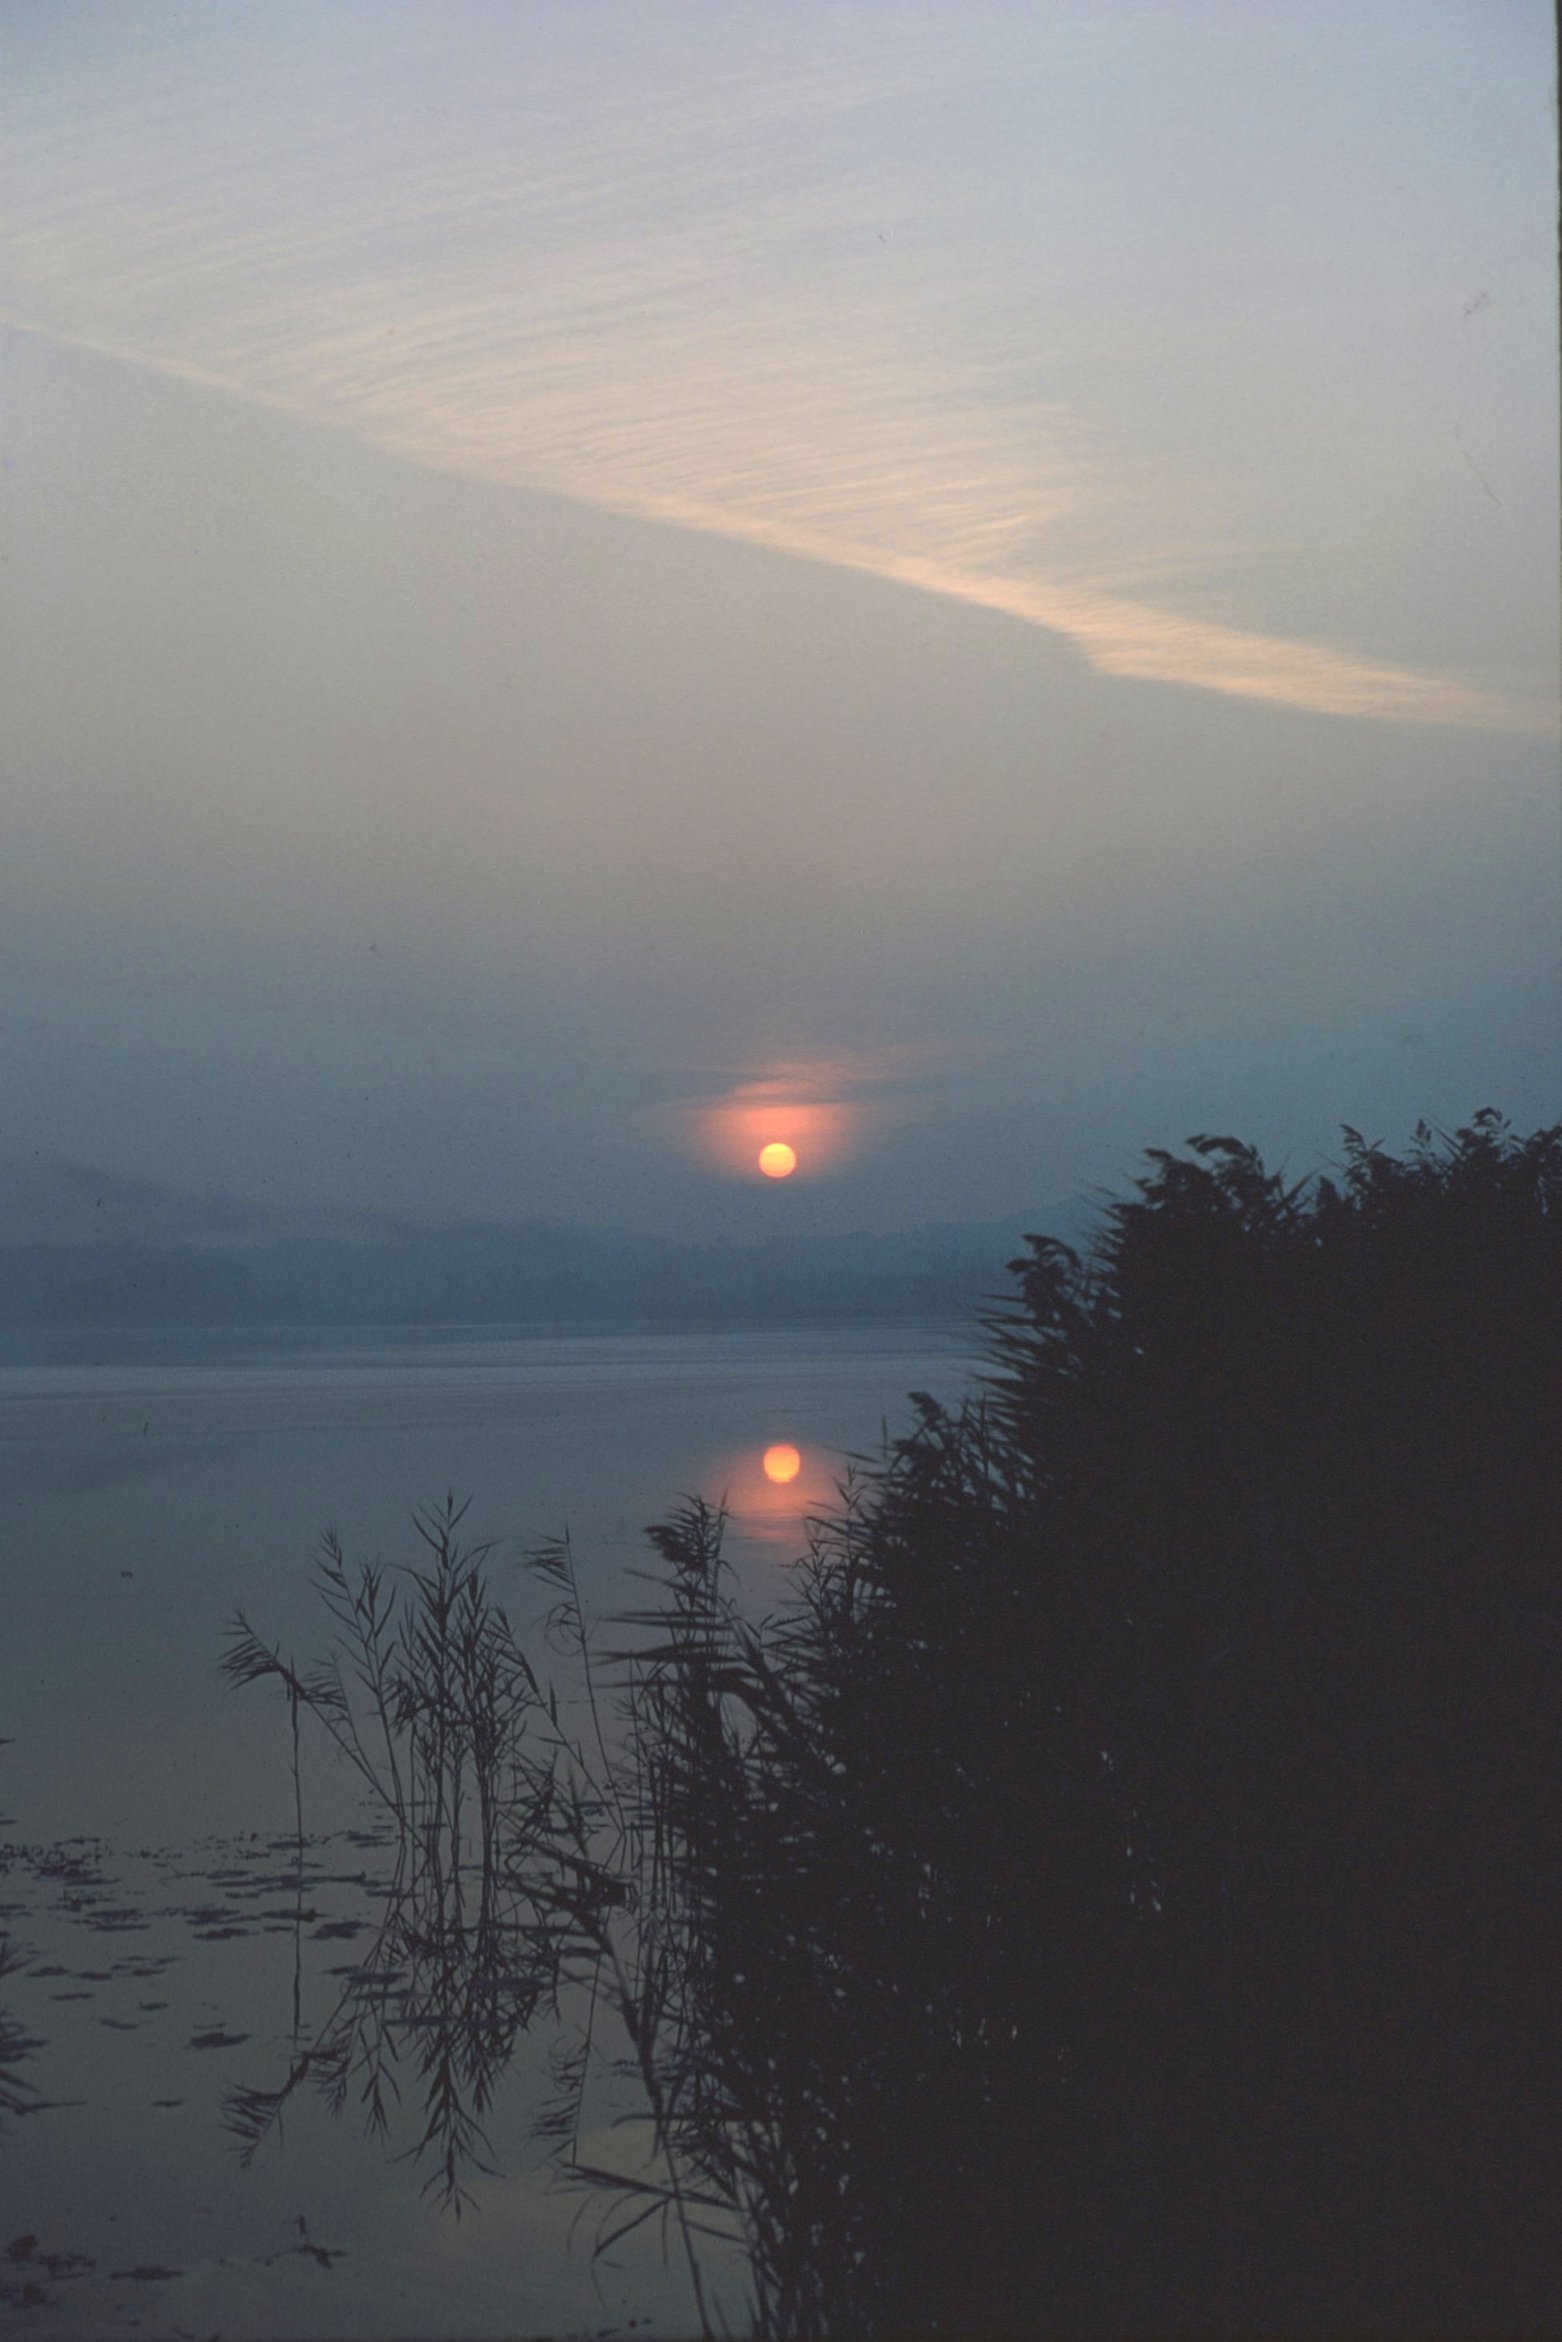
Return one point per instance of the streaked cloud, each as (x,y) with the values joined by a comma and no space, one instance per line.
(710,292)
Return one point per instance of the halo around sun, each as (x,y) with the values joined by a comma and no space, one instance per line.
(778,1160)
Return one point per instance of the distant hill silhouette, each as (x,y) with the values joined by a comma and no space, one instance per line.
(81,1247)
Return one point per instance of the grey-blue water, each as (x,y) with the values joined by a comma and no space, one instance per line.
(150,1485)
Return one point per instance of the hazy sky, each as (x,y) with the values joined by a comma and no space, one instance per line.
(582,578)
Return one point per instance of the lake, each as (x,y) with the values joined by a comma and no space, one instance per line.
(166,1950)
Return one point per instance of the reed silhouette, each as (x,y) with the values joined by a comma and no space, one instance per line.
(427,1695)
(1122,1889)
(529,1878)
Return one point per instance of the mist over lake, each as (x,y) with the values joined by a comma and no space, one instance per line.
(164,1480)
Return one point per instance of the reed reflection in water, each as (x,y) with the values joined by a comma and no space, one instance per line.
(17,2093)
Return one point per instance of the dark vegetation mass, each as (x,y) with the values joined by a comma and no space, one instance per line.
(1121,1890)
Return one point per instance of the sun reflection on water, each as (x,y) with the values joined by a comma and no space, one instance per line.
(771,1491)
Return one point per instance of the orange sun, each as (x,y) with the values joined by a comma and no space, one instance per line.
(778,1160)
(782,1463)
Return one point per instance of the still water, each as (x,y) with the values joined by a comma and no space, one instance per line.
(150,1486)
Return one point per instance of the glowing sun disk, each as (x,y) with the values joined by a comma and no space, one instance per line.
(782,1463)
(778,1160)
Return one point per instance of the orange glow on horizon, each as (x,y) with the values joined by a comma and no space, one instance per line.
(819,1111)
(782,1463)
(776,1132)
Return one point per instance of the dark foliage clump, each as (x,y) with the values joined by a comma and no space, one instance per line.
(1125,1892)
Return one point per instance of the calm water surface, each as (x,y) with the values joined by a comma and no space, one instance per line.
(152,1484)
